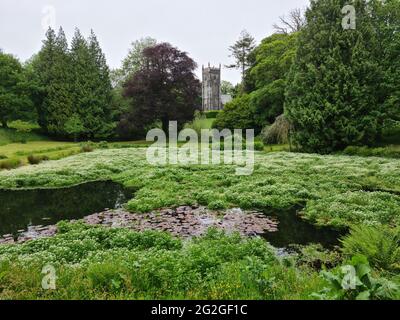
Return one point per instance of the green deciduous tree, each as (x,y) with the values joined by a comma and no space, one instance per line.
(15,102)
(237,114)
(274,58)
(132,62)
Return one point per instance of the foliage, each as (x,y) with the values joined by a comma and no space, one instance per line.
(273,59)
(9,164)
(356,282)
(32,159)
(278,132)
(92,92)
(132,62)
(241,52)
(227,88)
(329,186)
(355,207)
(212,114)
(380,245)
(52,71)
(164,89)
(388,151)
(87,147)
(74,126)
(74,84)
(334,95)
(98,262)
(237,114)
(267,79)
(200,122)
(317,257)
(12,135)
(15,102)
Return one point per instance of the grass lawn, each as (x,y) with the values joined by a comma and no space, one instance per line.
(50,148)
(205,123)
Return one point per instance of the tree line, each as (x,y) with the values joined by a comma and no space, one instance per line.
(335,87)
(71,92)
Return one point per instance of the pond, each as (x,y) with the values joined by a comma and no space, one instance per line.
(294,230)
(22,208)
(96,201)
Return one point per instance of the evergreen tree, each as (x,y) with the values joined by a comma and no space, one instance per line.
(91,86)
(332,96)
(102,90)
(386,19)
(53,68)
(241,52)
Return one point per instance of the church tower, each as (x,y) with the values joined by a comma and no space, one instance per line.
(211,88)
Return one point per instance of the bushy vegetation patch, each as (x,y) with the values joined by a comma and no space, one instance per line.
(379,244)
(360,207)
(96,262)
(388,151)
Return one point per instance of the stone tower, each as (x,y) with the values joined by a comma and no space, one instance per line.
(211,88)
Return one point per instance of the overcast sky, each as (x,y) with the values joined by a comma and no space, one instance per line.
(205,29)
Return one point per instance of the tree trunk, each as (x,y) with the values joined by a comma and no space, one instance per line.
(165,125)
(4,123)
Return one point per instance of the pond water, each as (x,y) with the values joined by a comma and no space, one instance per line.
(22,208)
(294,230)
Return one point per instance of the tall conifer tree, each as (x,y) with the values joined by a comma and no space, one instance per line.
(53,69)
(331,97)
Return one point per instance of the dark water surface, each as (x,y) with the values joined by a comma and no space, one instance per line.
(294,230)
(22,208)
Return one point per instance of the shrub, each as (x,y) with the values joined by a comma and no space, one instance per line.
(355,282)
(388,152)
(10,164)
(32,159)
(87,148)
(317,257)
(237,114)
(358,207)
(212,114)
(381,246)
(103,145)
(278,132)
(258,146)
(2,157)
